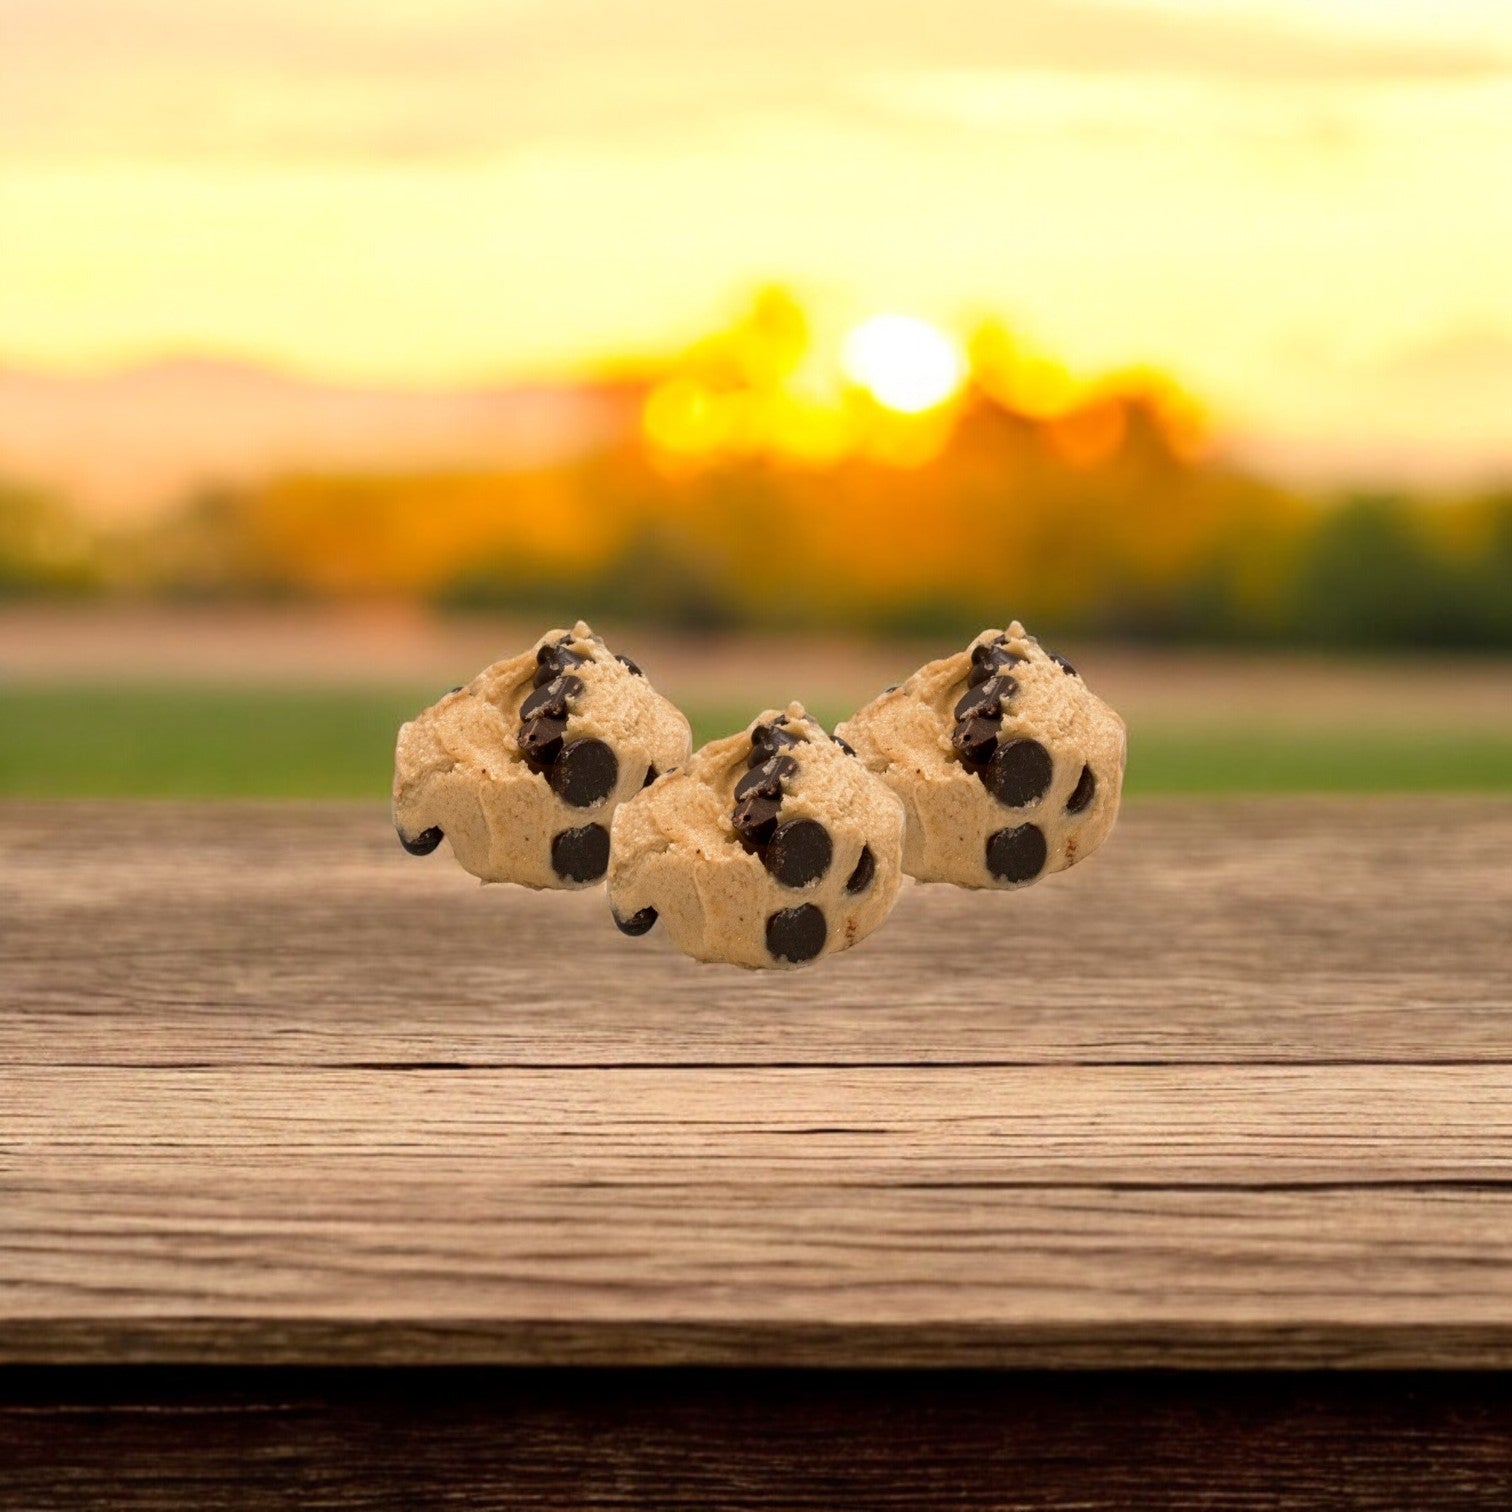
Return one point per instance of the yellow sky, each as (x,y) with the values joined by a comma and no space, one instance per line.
(1301,208)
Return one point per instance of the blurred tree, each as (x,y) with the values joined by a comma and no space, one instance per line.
(44,549)
(1486,569)
(757,489)
(1371,578)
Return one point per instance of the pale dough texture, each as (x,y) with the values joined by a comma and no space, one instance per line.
(1054,806)
(679,863)
(460,770)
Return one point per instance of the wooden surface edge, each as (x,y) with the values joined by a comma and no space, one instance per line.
(726,1441)
(1182,1345)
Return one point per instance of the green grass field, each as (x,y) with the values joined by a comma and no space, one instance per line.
(58,741)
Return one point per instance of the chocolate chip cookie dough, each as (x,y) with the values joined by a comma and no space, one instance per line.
(1008,766)
(769,848)
(522,769)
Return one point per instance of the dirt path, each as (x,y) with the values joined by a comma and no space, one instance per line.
(312,646)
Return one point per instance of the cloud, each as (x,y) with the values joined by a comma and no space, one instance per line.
(176,78)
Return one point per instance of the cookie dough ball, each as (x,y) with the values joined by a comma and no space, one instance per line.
(770,848)
(1008,766)
(523,769)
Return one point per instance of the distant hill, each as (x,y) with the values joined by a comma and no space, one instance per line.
(135,442)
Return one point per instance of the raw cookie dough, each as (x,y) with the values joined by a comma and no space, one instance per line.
(1008,766)
(523,769)
(769,848)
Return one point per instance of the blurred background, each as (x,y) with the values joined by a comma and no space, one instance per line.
(346,347)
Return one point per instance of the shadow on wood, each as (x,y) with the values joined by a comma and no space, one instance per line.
(712,1440)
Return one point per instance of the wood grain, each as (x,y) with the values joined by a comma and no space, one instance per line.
(728,1441)
(1238,1092)
(225,934)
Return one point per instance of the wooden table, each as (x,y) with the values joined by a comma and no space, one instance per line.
(330,1178)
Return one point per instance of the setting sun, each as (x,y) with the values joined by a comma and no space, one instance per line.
(903,362)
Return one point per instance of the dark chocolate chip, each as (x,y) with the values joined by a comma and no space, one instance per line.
(975,740)
(423,843)
(651,775)
(796,934)
(553,697)
(755,820)
(638,923)
(866,869)
(552,661)
(1063,664)
(1016,855)
(767,740)
(585,773)
(540,741)
(581,855)
(626,661)
(1019,773)
(844,745)
(1086,786)
(987,660)
(799,853)
(985,700)
(766,779)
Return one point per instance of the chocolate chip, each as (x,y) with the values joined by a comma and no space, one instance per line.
(767,740)
(866,869)
(766,779)
(755,820)
(975,740)
(796,934)
(581,855)
(985,700)
(651,775)
(1063,664)
(585,773)
(1086,786)
(552,661)
(987,660)
(540,741)
(635,671)
(844,745)
(1020,773)
(1016,855)
(637,924)
(423,843)
(799,853)
(552,697)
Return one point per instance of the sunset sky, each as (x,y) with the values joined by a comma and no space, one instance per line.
(1302,208)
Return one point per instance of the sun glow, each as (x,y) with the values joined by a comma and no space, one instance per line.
(904,363)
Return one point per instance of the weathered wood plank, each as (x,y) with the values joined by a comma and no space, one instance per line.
(441,1265)
(153,1440)
(1324,931)
(1239,1092)
(755,1126)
